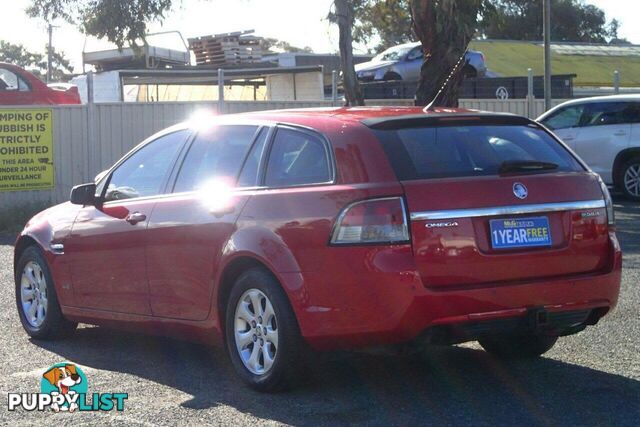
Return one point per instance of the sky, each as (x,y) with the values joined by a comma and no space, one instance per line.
(300,22)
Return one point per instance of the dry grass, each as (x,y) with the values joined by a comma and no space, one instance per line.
(511,59)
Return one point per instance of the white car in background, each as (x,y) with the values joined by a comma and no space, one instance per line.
(605,132)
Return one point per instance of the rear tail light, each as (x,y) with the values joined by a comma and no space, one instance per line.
(375,221)
(611,217)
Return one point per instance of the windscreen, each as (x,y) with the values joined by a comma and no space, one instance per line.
(476,150)
(393,54)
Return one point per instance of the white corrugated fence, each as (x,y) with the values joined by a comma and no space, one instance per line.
(90,138)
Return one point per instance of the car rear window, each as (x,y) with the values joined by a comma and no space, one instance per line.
(476,150)
(297,158)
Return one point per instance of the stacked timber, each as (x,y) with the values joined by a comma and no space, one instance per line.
(227,49)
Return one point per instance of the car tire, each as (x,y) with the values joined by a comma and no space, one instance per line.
(278,345)
(629,179)
(35,288)
(518,346)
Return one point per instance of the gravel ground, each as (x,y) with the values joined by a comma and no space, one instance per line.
(592,378)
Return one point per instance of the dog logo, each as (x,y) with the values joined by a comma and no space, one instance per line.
(63,388)
(64,379)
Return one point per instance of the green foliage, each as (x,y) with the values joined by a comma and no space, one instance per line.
(36,62)
(119,21)
(61,67)
(614,27)
(455,16)
(572,20)
(16,54)
(388,21)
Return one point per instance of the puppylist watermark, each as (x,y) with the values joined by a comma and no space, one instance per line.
(64,388)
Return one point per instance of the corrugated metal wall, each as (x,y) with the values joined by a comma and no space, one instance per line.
(90,138)
(513,106)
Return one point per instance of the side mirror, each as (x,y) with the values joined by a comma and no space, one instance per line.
(84,194)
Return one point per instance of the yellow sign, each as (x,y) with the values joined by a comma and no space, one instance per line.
(26,149)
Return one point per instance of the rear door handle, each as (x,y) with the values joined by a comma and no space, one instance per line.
(135,218)
(568,138)
(620,133)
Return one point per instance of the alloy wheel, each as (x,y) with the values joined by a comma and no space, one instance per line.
(632,180)
(33,294)
(256,332)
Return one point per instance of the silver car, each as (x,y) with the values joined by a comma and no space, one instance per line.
(403,62)
(605,132)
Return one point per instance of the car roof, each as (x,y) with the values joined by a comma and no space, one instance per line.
(369,116)
(591,100)
(25,74)
(13,67)
(607,98)
(411,44)
(346,114)
(355,113)
(416,44)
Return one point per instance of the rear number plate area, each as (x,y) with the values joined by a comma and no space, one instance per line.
(520,233)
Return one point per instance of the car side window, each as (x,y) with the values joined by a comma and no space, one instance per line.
(22,85)
(633,112)
(297,158)
(10,81)
(144,172)
(216,154)
(610,113)
(416,53)
(568,117)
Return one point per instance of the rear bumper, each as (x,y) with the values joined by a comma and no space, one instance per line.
(535,320)
(363,306)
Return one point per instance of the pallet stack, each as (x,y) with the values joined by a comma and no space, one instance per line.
(227,49)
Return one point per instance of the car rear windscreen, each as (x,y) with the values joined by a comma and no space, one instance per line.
(473,150)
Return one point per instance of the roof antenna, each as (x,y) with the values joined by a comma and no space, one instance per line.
(431,105)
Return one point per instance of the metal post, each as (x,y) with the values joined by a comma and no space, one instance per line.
(92,145)
(90,87)
(49,54)
(531,98)
(295,88)
(616,82)
(547,53)
(121,80)
(220,91)
(334,87)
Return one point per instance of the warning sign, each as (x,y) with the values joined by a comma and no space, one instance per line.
(26,149)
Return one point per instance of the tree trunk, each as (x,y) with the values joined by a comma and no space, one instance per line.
(344,17)
(445,28)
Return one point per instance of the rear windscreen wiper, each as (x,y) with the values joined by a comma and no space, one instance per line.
(525,166)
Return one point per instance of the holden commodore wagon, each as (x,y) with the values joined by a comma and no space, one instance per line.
(326,229)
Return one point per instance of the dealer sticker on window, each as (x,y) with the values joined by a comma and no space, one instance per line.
(520,233)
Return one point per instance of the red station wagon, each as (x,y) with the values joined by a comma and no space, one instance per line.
(330,228)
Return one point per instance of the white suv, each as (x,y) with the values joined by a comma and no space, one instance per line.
(605,132)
